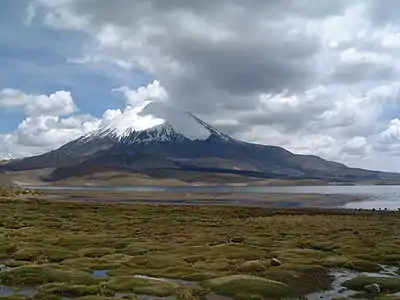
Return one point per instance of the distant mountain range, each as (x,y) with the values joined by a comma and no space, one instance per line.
(156,139)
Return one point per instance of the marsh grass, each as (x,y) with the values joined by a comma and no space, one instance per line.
(42,253)
(375,297)
(38,274)
(13,297)
(387,285)
(142,286)
(8,191)
(97,297)
(71,290)
(61,242)
(241,286)
(45,296)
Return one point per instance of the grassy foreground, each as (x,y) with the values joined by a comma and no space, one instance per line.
(12,191)
(55,246)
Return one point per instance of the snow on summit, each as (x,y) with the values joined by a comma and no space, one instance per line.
(154,115)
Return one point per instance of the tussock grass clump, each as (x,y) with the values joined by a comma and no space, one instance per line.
(326,246)
(95,252)
(43,253)
(142,286)
(44,296)
(254,266)
(39,274)
(140,248)
(7,248)
(386,285)
(13,297)
(104,298)
(71,290)
(388,297)
(191,294)
(352,264)
(90,263)
(9,191)
(243,287)
(116,258)
(11,263)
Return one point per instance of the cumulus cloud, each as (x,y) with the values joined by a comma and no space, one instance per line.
(317,79)
(153,91)
(58,104)
(389,139)
(45,126)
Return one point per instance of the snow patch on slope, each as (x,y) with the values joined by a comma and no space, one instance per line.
(154,116)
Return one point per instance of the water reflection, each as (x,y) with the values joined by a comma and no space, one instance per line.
(378,203)
(375,196)
(387,190)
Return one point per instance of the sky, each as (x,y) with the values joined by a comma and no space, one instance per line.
(315,77)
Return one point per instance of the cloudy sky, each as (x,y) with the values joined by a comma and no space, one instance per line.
(316,77)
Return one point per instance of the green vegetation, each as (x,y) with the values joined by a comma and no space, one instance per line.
(44,296)
(387,285)
(375,297)
(42,253)
(70,290)
(253,266)
(90,263)
(243,287)
(101,298)
(352,264)
(142,286)
(95,252)
(56,245)
(9,191)
(37,274)
(13,297)
(389,297)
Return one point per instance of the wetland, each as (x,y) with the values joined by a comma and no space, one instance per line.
(95,251)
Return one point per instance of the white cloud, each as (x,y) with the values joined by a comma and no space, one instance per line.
(152,92)
(58,104)
(356,146)
(49,132)
(388,140)
(45,127)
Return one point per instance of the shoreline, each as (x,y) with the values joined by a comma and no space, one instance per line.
(160,183)
(262,200)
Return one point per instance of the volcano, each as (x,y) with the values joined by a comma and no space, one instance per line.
(157,139)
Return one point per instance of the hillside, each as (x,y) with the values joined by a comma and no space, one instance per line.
(159,141)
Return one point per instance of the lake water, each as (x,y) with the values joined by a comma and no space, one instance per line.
(324,189)
(376,196)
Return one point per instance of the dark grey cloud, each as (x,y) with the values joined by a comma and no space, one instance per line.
(384,11)
(244,49)
(250,65)
(224,59)
(362,71)
(124,12)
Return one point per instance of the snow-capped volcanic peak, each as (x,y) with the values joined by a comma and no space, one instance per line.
(157,118)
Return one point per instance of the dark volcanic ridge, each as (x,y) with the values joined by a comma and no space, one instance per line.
(158,140)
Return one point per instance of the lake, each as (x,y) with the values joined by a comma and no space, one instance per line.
(377,196)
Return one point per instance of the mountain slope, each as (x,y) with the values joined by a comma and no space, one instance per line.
(156,139)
